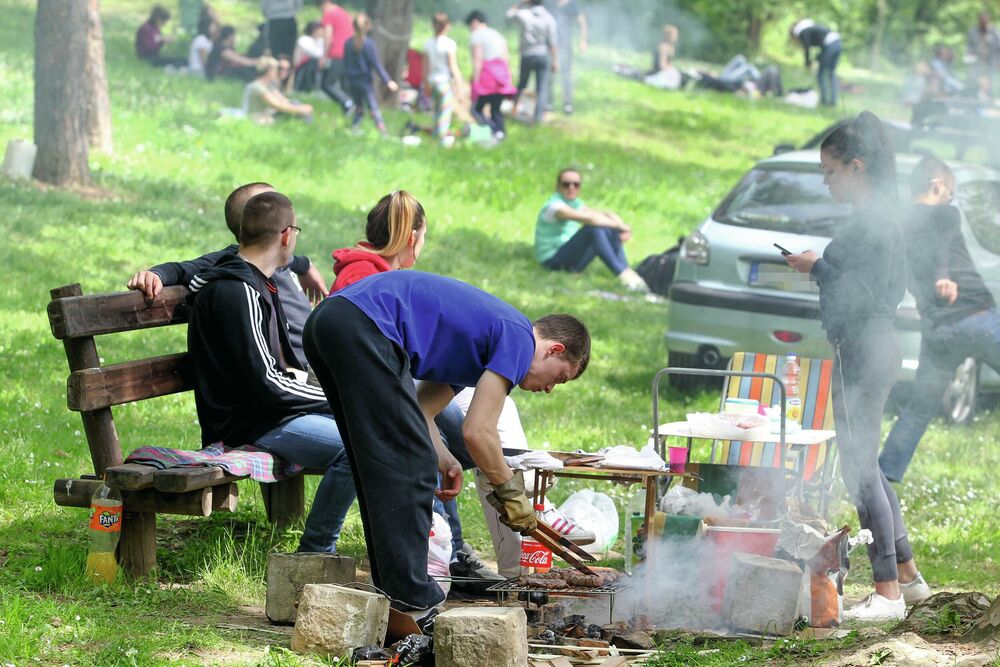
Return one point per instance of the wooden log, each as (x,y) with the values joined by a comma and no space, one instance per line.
(75,316)
(285,501)
(200,502)
(137,546)
(179,480)
(95,388)
(99,425)
(130,476)
(225,498)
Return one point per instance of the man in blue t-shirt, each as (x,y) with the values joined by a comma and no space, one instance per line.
(368,343)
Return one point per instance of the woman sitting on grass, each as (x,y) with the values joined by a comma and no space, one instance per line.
(361,61)
(225,61)
(263,98)
(395,236)
(568,234)
(201,45)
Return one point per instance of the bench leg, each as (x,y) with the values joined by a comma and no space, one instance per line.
(285,501)
(137,547)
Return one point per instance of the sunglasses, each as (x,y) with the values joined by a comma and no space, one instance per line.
(569,184)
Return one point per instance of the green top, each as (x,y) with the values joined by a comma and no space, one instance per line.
(552,233)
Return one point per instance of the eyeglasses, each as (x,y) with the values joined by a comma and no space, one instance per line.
(297,229)
(570,184)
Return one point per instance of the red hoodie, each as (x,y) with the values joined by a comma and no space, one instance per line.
(352,264)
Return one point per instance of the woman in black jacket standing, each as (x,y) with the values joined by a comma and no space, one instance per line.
(811,35)
(862,278)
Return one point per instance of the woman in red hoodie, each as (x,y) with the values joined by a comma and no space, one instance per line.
(395,231)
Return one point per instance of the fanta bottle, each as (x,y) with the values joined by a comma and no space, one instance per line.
(105,529)
(535,557)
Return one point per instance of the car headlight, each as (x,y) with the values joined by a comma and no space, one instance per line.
(695,249)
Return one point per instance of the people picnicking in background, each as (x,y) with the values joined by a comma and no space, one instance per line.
(282,27)
(958,314)
(264,99)
(492,82)
(811,35)
(537,47)
(569,17)
(310,50)
(665,73)
(150,40)
(225,61)
(862,279)
(201,45)
(442,80)
(982,48)
(361,63)
(338,29)
(569,234)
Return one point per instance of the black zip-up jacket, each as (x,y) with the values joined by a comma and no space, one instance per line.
(813,37)
(293,300)
(862,274)
(242,390)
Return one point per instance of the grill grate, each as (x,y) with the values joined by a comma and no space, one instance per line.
(515,586)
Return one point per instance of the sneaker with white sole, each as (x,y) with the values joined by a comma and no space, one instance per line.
(633,281)
(471,574)
(915,591)
(877,609)
(567,528)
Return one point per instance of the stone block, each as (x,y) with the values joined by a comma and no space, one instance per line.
(333,620)
(288,573)
(492,636)
(762,594)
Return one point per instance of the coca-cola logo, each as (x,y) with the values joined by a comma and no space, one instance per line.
(538,556)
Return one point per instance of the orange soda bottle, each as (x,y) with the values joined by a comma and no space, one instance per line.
(105,529)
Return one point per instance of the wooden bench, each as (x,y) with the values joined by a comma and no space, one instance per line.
(93,389)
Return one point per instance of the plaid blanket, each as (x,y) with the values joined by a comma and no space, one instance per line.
(245,461)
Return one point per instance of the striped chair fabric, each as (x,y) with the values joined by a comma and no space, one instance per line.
(817,412)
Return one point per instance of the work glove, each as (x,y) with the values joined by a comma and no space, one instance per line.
(511,502)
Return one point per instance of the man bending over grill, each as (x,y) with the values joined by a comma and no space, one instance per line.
(367,344)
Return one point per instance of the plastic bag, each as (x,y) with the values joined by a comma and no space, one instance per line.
(373,652)
(682,500)
(595,512)
(725,426)
(439,551)
(416,650)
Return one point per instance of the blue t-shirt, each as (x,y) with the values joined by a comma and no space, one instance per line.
(451,331)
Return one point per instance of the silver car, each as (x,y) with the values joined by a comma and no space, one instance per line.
(733,291)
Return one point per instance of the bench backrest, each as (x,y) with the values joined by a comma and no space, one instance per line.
(92,389)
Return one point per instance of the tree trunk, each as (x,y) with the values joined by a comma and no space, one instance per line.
(755,29)
(988,625)
(392,28)
(96,81)
(878,31)
(60,103)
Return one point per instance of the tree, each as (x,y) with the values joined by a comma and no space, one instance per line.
(392,27)
(60,101)
(96,81)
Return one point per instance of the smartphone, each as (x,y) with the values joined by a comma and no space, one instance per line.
(784,251)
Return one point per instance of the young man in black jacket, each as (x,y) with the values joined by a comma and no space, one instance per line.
(958,315)
(247,390)
(299,282)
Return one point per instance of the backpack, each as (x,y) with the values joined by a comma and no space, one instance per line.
(658,270)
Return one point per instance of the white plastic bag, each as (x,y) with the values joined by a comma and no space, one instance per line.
(439,551)
(595,512)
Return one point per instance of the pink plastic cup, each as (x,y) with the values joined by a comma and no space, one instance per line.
(678,458)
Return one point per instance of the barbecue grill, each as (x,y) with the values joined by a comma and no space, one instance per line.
(514,586)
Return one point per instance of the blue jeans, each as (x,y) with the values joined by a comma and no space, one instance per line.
(540,66)
(941,352)
(584,246)
(449,422)
(313,441)
(827,73)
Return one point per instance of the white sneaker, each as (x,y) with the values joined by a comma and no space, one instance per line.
(564,526)
(877,609)
(633,281)
(915,591)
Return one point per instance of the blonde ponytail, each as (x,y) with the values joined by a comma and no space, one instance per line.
(392,222)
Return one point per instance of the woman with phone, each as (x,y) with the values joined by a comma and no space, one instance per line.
(862,278)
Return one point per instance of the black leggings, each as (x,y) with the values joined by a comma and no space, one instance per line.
(495,119)
(366,378)
(864,370)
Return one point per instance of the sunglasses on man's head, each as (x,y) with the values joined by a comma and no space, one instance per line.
(570,184)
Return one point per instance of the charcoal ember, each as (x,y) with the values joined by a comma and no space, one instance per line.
(569,621)
(547,637)
(575,631)
(612,629)
(373,652)
(594,631)
(416,650)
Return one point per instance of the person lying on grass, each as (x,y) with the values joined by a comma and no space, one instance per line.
(569,234)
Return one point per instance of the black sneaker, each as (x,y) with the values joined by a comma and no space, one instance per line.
(426,624)
(471,574)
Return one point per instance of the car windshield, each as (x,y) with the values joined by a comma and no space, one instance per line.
(783,200)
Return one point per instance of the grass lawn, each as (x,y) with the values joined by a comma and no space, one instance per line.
(661,160)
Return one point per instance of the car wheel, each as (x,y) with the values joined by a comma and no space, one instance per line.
(684,382)
(959,402)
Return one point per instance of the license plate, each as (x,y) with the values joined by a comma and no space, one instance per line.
(770,275)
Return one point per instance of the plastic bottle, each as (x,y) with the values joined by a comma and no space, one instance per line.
(634,546)
(793,400)
(535,557)
(105,529)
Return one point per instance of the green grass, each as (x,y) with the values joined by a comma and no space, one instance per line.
(661,160)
